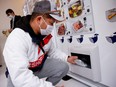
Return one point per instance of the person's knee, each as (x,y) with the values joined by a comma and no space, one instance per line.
(64,67)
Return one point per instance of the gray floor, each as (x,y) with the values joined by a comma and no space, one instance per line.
(69,83)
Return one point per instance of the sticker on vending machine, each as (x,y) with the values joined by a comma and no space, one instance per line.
(75,9)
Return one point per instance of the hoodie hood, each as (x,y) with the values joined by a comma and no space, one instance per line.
(23,24)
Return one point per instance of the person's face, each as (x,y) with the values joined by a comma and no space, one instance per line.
(9,14)
(46,21)
(45,25)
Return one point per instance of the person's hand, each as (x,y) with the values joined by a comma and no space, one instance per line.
(71,59)
(6,32)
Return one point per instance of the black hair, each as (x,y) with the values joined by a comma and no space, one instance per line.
(9,11)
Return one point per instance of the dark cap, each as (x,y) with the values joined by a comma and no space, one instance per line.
(48,7)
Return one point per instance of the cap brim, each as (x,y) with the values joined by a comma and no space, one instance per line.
(59,18)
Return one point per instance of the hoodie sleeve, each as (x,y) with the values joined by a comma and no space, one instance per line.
(17,62)
(57,53)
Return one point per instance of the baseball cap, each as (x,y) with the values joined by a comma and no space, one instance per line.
(48,7)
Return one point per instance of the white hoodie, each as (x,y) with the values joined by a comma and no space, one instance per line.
(19,52)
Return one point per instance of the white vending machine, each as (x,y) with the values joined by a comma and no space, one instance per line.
(89,32)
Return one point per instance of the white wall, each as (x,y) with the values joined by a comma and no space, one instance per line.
(107,50)
(17,6)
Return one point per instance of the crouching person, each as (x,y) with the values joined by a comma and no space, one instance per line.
(30,54)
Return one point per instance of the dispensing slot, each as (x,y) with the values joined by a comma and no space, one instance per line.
(83,60)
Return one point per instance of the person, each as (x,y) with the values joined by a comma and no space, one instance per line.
(14,18)
(30,54)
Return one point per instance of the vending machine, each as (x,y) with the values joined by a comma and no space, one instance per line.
(89,32)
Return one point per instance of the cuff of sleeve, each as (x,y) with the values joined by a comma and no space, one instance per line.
(66,57)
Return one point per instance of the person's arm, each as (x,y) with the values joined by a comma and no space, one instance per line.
(17,61)
(58,54)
